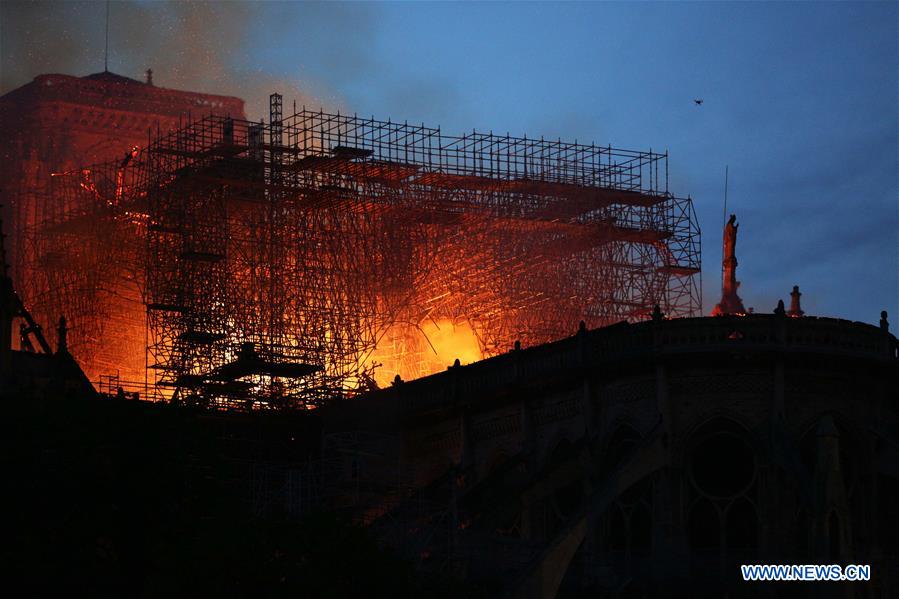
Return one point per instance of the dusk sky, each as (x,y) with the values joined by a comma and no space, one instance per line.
(800,100)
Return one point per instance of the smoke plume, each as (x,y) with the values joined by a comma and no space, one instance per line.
(199,46)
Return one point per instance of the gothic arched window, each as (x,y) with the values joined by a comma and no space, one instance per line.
(722,471)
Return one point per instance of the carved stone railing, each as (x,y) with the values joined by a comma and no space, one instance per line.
(623,342)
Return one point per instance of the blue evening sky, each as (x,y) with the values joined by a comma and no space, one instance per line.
(800,101)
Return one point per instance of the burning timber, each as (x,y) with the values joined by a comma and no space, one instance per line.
(320,254)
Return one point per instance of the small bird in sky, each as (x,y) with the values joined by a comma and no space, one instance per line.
(698,102)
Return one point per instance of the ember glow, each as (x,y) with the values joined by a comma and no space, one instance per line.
(263,265)
(451,341)
(414,351)
(76,217)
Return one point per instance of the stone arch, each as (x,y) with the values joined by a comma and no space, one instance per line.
(652,456)
(741,526)
(618,445)
(623,533)
(510,524)
(560,436)
(704,526)
(688,431)
(850,444)
(848,503)
(721,458)
(717,418)
(722,466)
(566,500)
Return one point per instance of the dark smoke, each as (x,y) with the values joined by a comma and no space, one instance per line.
(200,46)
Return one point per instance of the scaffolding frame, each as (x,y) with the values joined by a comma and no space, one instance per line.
(83,258)
(279,256)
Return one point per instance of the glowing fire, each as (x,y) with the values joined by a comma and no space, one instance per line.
(451,340)
(413,351)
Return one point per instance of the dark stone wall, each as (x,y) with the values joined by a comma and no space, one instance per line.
(780,437)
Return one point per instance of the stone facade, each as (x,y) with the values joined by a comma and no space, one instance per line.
(652,459)
(58,123)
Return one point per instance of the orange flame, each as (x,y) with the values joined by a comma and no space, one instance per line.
(415,351)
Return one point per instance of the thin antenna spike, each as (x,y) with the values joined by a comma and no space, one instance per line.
(723,224)
(724,216)
(106,52)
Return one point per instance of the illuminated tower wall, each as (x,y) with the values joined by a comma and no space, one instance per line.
(57,123)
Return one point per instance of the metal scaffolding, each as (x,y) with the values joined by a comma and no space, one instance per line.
(284,263)
(83,258)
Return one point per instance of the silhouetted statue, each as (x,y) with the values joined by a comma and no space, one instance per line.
(730,238)
(730,302)
(62,345)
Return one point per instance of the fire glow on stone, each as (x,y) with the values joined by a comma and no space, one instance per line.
(414,351)
(343,254)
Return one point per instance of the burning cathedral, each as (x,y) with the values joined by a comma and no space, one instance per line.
(606,438)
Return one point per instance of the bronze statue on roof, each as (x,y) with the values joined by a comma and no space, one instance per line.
(730,302)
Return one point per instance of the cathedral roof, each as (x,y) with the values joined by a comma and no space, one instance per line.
(110,77)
